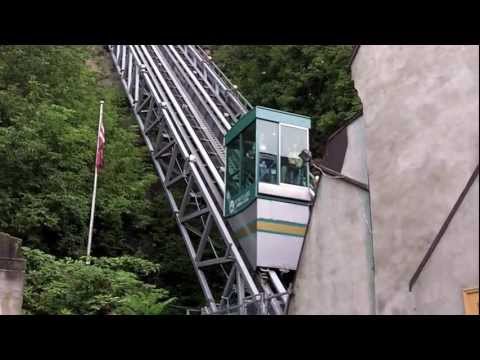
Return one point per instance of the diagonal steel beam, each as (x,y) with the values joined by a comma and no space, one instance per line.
(204,238)
(195,214)
(211,262)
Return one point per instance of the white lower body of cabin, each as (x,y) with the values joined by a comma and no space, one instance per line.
(271,232)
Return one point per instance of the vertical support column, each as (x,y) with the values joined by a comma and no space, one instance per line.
(140,91)
(186,196)
(123,60)
(173,157)
(241,293)
(137,84)
(12,275)
(117,52)
(130,67)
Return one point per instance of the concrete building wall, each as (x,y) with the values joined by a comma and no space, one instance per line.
(453,266)
(11,275)
(335,271)
(11,292)
(355,162)
(421,110)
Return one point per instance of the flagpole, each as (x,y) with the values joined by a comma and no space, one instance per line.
(94,195)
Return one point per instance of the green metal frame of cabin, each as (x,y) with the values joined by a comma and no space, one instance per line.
(263,113)
(259,113)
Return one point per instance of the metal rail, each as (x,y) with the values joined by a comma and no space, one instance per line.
(220,87)
(182,123)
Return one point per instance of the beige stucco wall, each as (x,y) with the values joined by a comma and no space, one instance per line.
(453,266)
(335,271)
(421,109)
(12,275)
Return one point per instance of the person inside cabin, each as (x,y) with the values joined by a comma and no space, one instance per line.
(293,169)
(267,168)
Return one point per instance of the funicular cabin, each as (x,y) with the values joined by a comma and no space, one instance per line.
(267,200)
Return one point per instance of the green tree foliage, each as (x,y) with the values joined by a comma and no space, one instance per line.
(49,112)
(49,103)
(309,80)
(106,287)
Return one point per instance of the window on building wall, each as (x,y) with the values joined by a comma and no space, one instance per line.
(268,151)
(293,170)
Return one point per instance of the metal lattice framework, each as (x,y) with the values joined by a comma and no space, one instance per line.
(184,106)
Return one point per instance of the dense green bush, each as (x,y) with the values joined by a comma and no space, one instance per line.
(105,287)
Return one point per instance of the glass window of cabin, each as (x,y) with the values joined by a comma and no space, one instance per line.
(233,169)
(293,170)
(248,157)
(267,151)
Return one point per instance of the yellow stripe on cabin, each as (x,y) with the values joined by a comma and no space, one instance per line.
(281,228)
(271,227)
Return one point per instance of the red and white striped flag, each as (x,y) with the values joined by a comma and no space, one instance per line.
(100,146)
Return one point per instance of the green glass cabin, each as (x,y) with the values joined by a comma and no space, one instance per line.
(267,197)
(263,159)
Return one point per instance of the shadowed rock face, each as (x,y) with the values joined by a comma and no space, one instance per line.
(12,275)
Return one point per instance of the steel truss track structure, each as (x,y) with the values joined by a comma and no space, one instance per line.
(184,105)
